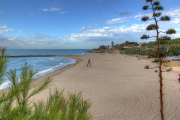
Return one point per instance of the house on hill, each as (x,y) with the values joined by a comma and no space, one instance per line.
(127,46)
(109,46)
(117,45)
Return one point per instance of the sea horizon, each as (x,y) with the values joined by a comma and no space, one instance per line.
(21,52)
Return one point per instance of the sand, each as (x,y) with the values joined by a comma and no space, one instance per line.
(119,87)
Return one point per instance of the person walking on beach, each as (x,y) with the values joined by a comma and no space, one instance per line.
(179,78)
(89,63)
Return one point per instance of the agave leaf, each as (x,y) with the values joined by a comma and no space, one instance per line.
(149,0)
(157,14)
(158,8)
(145,18)
(164,39)
(152,27)
(144,37)
(165,18)
(156,3)
(170,31)
(145,7)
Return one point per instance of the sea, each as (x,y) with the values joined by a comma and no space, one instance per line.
(44,65)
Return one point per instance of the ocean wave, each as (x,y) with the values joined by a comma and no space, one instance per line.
(4,85)
(50,58)
(32,64)
(42,67)
(42,72)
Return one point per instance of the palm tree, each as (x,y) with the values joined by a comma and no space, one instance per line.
(112,43)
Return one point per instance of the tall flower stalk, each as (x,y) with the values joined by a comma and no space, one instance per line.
(155,6)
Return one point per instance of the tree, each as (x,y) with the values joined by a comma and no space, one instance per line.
(112,43)
(56,107)
(102,47)
(127,42)
(156,7)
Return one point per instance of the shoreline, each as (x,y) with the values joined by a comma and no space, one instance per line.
(46,56)
(39,80)
(118,85)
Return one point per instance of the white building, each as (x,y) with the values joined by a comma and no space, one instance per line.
(126,47)
(109,46)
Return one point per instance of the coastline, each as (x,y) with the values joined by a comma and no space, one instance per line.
(39,80)
(119,87)
(46,56)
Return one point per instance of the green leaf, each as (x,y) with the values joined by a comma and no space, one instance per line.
(145,7)
(152,27)
(158,8)
(156,3)
(157,14)
(144,37)
(165,18)
(4,59)
(170,31)
(164,39)
(149,0)
(145,18)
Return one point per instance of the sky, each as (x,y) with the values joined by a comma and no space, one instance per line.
(80,24)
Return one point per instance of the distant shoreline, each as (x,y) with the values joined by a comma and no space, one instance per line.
(45,56)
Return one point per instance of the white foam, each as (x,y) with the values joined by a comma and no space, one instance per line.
(4,85)
(43,72)
(50,58)
(49,69)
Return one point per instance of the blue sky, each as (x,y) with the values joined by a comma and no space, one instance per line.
(79,24)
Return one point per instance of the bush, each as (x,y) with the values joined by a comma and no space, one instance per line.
(56,107)
(132,50)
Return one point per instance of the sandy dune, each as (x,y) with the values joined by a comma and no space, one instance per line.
(119,87)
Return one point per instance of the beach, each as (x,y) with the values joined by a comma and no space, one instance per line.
(119,87)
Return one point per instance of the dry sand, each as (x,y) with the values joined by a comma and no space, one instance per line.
(119,87)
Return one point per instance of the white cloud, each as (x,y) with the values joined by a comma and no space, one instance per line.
(51,9)
(89,38)
(117,20)
(44,10)
(94,37)
(140,15)
(171,13)
(5,29)
(20,30)
(81,28)
(62,12)
(85,27)
(56,7)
